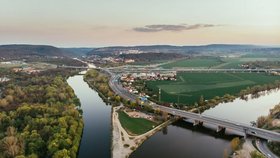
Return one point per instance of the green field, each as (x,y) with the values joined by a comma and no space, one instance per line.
(195,62)
(135,126)
(190,86)
(215,62)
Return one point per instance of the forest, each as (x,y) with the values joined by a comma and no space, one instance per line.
(40,116)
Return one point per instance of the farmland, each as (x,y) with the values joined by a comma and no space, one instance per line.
(189,87)
(216,62)
(196,62)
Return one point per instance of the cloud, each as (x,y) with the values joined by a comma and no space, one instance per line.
(174,28)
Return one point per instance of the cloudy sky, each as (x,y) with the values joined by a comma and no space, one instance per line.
(139,22)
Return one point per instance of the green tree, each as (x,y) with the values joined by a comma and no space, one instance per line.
(256,154)
(201,101)
(62,154)
(234,144)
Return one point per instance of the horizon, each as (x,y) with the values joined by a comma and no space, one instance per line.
(198,45)
(125,23)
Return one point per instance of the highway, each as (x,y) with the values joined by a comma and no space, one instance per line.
(220,123)
(262,146)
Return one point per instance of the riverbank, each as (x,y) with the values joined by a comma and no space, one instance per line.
(123,144)
(245,151)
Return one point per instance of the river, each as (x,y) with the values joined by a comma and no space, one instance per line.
(178,140)
(96,139)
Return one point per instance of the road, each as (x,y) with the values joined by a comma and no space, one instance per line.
(262,146)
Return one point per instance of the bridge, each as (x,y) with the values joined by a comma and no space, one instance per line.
(139,70)
(153,69)
(221,124)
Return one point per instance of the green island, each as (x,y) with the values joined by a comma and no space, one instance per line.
(40,116)
(135,126)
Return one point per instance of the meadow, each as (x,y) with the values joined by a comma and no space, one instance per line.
(135,126)
(216,62)
(195,62)
(189,87)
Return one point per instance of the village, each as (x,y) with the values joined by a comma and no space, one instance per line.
(131,81)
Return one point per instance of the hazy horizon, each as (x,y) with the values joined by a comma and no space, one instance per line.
(95,23)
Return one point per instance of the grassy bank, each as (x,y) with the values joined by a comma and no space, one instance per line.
(135,126)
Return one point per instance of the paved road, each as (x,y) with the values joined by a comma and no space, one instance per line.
(262,146)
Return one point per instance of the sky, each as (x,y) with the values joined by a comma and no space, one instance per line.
(95,23)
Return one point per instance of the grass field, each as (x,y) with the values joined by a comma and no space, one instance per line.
(215,62)
(135,126)
(195,62)
(190,86)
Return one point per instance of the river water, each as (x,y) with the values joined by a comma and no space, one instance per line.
(179,140)
(96,139)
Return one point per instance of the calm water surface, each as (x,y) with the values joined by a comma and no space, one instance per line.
(96,140)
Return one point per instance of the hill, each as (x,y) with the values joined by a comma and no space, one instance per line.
(77,52)
(25,51)
(189,50)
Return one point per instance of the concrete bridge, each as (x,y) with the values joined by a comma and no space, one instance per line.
(139,70)
(221,124)
(146,69)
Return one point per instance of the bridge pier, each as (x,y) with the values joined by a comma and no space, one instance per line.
(197,123)
(245,133)
(220,129)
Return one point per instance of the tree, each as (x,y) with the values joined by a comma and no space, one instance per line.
(256,154)
(118,98)
(62,154)
(10,98)
(261,121)
(165,116)
(201,101)
(11,131)
(11,145)
(234,144)
(3,103)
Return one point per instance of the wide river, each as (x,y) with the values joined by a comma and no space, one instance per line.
(96,140)
(178,140)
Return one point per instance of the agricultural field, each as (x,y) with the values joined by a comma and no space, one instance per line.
(135,126)
(195,62)
(189,87)
(216,62)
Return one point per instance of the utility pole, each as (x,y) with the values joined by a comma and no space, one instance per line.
(159,95)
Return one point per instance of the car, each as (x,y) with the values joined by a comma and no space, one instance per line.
(253,132)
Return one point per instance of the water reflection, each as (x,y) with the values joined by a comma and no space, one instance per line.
(183,140)
(96,140)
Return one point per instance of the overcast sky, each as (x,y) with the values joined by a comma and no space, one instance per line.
(139,22)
